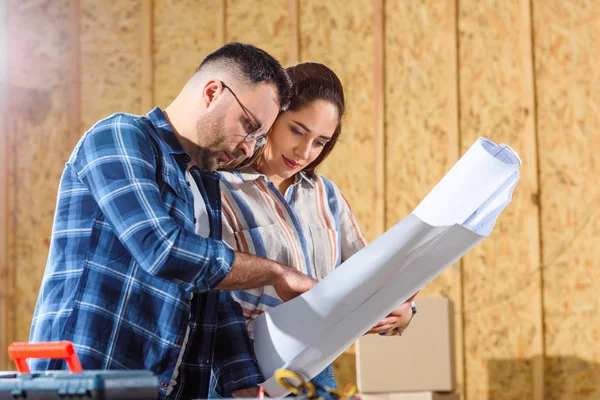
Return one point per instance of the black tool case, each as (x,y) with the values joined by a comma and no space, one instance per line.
(91,384)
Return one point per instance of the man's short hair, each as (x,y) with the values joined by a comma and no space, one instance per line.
(255,65)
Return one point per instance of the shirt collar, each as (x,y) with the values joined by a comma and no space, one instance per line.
(249,174)
(165,131)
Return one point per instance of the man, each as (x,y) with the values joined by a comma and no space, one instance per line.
(128,280)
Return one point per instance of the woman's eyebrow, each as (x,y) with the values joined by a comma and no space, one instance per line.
(308,130)
(302,126)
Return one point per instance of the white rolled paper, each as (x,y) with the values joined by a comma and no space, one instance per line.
(309,332)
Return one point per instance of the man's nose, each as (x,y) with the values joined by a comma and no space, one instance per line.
(247,148)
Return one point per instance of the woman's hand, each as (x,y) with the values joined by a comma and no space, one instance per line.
(397,319)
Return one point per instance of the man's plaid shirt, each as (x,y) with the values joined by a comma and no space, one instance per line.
(126,274)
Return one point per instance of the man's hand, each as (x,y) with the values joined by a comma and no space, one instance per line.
(251,392)
(293,283)
(397,319)
(248,272)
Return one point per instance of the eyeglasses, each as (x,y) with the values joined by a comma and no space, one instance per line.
(255,133)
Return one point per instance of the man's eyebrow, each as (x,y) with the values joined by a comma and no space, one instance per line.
(251,114)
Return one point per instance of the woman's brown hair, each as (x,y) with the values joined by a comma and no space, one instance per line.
(310,82)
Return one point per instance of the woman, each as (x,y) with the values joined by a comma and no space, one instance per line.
(279,208)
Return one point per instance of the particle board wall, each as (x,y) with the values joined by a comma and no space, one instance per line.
(180,47)
(110,80)
(567,50)
(402,64)
(340,34)
(267,26)
(421,119)
(38,122)
(4,173)
(501,281)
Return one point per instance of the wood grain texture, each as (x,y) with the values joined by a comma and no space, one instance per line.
(39,124)
(421,120)
(340,35)
(501,278)
(293,33)
(147,61)
(74,71)
(567,50)
(5,161)
(421,107)
(265,25)
(111,59)
(184,33)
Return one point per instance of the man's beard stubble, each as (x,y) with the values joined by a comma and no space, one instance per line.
(210,136)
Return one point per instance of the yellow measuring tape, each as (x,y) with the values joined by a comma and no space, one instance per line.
(299,386)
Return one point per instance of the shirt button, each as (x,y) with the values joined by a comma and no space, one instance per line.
(178,190)
(164,384)
(195,220)
(178,341)
(189,184)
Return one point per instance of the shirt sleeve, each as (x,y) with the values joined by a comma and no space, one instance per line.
(228,220)
(352,238)
(235,365)
(116,162)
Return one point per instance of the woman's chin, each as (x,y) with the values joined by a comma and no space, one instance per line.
(287,174)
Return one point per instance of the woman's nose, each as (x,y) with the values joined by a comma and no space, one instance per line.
(303,150)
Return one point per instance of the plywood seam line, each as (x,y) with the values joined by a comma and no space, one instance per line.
(379,114)
(460,265)
(539,385)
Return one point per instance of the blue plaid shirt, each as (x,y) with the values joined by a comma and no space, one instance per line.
(126,274)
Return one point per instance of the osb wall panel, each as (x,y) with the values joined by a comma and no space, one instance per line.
(421,132)
(567,50)
(265,24)
(421,107)
(4,172)
(110,59)
(185,31)
(39,128)
(340,34)
(501,275)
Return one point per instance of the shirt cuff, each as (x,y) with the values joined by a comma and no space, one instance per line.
(222,260)
(251,377)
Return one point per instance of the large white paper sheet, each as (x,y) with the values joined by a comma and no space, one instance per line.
(309,332)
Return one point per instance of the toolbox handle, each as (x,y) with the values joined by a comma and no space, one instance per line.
(20,351)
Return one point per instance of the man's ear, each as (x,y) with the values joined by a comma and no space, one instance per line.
(211,91)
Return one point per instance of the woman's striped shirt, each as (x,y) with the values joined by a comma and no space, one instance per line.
(310,228)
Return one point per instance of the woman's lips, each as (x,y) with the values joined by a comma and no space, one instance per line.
(291,164)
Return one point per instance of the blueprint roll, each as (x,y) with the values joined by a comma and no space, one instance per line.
(309,332)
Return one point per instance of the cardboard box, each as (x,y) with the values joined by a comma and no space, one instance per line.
(422,359)
(410,396)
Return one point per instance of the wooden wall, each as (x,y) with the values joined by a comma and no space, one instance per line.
(423,80)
